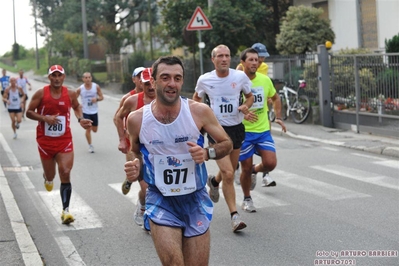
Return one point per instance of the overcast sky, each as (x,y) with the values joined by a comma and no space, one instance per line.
(24,26)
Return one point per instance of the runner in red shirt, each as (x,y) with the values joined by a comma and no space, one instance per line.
(50,106)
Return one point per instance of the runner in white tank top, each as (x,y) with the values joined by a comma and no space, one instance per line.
(90,94)
(166,139)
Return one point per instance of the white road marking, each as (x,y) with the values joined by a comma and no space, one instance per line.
(368,156)
(260,200)
(133,193)
(85,216)
(315,187)
(329,148)
(389,163)
(368,177)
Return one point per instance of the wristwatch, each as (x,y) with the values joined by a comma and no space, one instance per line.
(80,118)
(211,153)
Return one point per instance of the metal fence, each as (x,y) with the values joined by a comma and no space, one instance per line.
(370,82)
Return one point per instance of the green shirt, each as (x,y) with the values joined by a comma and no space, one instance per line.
(262,88)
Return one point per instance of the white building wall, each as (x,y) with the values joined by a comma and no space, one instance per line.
(342,14)
(387,20)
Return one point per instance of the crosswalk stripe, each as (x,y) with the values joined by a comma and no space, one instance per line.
(368,177)
(85,216)
(260,200)
(389,163)
(368,156)
(133,193)
(315,187)
(330,148)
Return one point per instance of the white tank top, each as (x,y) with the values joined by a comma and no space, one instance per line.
(168,164)
(88,107)
(15,100)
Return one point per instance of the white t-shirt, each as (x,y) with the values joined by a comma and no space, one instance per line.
(225,94)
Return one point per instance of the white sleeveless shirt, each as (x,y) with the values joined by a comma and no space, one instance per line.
(15,100)
(88,107)
(168,164)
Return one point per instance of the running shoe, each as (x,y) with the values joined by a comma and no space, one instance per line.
(15,136)
(66,217)
(91,148)
(236,223)
(267,181)
(213,191)
(138,214)
(237,177)
(17,125)
(248,205)
(126,187)
(48,184)
(253,181)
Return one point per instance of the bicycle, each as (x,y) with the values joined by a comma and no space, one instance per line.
(292,103)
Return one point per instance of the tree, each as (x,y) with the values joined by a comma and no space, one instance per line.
(235,22)
(116,16)
(302,30)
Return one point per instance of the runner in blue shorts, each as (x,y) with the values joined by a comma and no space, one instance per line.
(258,139)
(167,141)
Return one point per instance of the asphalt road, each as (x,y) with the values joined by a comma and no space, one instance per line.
(331,204)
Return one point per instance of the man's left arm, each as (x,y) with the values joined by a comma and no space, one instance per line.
(99,94)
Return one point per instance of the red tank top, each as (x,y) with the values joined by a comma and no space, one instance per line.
(140,100)
(140,103)
(51,106)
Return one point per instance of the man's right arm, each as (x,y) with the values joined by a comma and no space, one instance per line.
(124,97)
(129,104)
(132,168)
(33,105)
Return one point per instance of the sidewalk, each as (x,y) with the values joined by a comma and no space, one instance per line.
(343,138)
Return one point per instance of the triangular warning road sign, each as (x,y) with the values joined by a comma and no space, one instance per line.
(199,21)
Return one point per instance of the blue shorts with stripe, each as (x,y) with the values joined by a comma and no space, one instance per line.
(192,212)
(254,142)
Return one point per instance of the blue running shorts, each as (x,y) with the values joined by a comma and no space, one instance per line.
(254,142)
(192,212)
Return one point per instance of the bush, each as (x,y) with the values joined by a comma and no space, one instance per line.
(84,65)
(392,45)
(73,65)
(63,61)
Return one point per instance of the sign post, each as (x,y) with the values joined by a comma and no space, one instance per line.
(199,22)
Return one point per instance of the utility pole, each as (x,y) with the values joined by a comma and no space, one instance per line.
(150,21)
(84,22)
(37,49)
(13,15)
